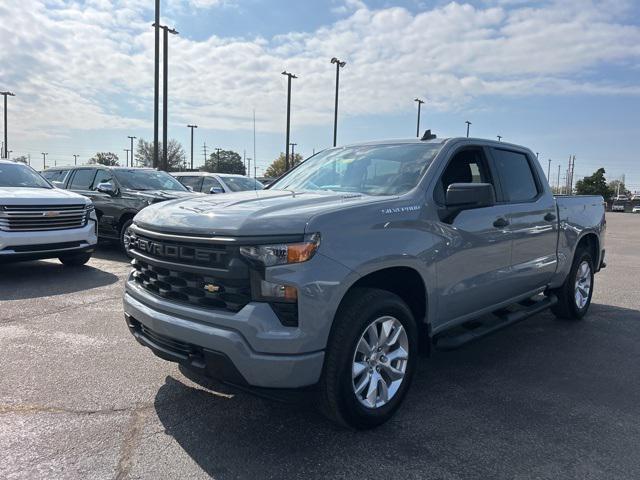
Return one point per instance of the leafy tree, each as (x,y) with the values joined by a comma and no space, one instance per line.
(225,161)
(21,159)
(175,154)
(618,187)
(109,159)
(277,168)
(595,184)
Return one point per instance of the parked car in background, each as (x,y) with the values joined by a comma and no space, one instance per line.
(118,193)
(337,273)
(266,181)
(636,209)
(40,221)
(617,206)
(206,182)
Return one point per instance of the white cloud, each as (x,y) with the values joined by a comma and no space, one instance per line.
(74,65)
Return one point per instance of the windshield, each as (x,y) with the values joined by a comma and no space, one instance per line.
(147,180)
(238,184)
(390,169)
(16,175)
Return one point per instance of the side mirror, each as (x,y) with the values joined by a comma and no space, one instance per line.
(470,195)
(106,187)
(213,190)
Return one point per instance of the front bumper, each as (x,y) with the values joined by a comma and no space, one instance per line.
(206,341)
(19,246)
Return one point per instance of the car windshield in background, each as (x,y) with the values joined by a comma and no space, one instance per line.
(16,175)
(147,180)
(390,169)
(239,184)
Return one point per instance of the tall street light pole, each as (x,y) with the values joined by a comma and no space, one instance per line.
(44,160)
(156,91)
(192,127)
(293,154)
(75,159)
(286,156)
(420,102)
(6,145)
(165,90)
(468,125)
(549,171)
(132,139)
(339,64)
(499,137)
(127,161)
(218,158)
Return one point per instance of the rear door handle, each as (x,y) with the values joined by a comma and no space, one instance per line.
(501,222)
(549,217)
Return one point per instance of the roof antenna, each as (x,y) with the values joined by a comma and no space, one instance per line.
(428,135)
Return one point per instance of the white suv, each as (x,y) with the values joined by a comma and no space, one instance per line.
(40,221)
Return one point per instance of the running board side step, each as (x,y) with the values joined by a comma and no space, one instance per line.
(474,330)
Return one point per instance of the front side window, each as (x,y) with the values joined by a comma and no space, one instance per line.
(239,184)
(139,179)
(83,179)
(390,169)
(210,182)
(191,181)
(516,177)
(103,176)
(466,166)
(17,175)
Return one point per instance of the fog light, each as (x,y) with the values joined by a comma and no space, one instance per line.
(278,291)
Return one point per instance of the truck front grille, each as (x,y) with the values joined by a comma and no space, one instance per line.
(30,218)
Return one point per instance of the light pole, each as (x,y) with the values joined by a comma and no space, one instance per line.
(44,160)
(127,150)
(192,127)
(293,155)
(420,102)
(499,138)
(75,159)
(549,171)
(468,125)
(339,64)
(156,90)
(6,145)
(165,90)
(218,159)
(286,156)
(132,139)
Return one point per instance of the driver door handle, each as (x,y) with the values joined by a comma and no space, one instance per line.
(501,222)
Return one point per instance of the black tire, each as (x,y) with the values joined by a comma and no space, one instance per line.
(123,230)
(338,399)
(75,260)
(567,307)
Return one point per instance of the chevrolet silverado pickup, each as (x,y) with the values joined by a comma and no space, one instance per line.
(342,271)
(40,221)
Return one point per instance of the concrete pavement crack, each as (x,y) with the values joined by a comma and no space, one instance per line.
(130,442)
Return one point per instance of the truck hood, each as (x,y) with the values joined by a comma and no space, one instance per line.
(249,213)
(39,196)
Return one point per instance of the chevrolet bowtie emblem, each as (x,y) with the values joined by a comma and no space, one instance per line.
(211,288)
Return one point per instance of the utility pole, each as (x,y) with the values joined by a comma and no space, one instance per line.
(254,140)
(558,183)
(165,91)
(468,125)
(204,152)
(127,150)
(6,128)
(249,167)
(339,65)
(75,159)
(255,171)
(286,156)
(293,155)
(44,160)
(132,157)
(420,102)
(549,171)
(156,91)
(192,127)
(499,138)
(218,158)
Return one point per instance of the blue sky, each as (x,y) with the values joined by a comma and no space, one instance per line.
(561,77)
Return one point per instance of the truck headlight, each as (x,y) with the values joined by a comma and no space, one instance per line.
(283,253)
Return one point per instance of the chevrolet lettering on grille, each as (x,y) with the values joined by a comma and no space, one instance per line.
(174,252)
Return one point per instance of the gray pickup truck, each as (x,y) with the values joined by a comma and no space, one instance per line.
(348,266)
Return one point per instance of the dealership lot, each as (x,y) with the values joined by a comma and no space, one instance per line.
(545,399)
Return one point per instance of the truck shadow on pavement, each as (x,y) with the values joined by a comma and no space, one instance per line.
(526,402)
(36,279)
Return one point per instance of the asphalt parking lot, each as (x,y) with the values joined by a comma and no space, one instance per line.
(79,398)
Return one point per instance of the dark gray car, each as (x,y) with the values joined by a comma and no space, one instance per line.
(340,272)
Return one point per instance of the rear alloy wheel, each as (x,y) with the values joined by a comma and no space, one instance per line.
(369,360)
(574,296)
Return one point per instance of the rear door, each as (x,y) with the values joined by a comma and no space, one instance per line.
(532,217)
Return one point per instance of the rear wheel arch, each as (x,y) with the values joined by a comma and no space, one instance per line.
(591,243)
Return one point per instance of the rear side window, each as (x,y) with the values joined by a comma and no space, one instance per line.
(83,179)
(516,176)
(191,181)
